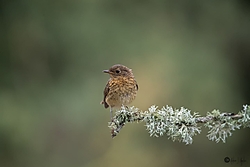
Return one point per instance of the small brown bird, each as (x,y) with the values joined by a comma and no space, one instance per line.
(120,89)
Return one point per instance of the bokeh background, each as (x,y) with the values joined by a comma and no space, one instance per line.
(192,53)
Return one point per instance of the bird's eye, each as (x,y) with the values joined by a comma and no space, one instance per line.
(117,71)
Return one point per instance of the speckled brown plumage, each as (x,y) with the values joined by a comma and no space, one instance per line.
(121,88)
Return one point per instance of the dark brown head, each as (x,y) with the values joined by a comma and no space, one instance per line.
(119,70)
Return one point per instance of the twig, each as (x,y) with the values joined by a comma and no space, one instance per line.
(181,124)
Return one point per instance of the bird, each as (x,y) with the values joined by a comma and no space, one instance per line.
(121,88)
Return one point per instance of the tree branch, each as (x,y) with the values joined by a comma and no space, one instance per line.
(180,124)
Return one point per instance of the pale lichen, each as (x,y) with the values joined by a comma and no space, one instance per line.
(180,124)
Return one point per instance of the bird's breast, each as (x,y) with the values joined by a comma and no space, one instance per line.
(121,92)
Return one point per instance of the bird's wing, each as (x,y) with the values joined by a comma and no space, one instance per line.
(105,92)
(137,87)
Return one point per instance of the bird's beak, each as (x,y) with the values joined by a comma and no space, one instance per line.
(106,71)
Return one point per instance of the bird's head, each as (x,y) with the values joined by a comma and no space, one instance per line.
(119,70)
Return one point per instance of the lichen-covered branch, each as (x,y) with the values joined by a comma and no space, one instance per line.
(181,124)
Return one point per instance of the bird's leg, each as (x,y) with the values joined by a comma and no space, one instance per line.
(111,114)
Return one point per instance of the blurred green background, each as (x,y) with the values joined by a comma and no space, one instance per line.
(192,53)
